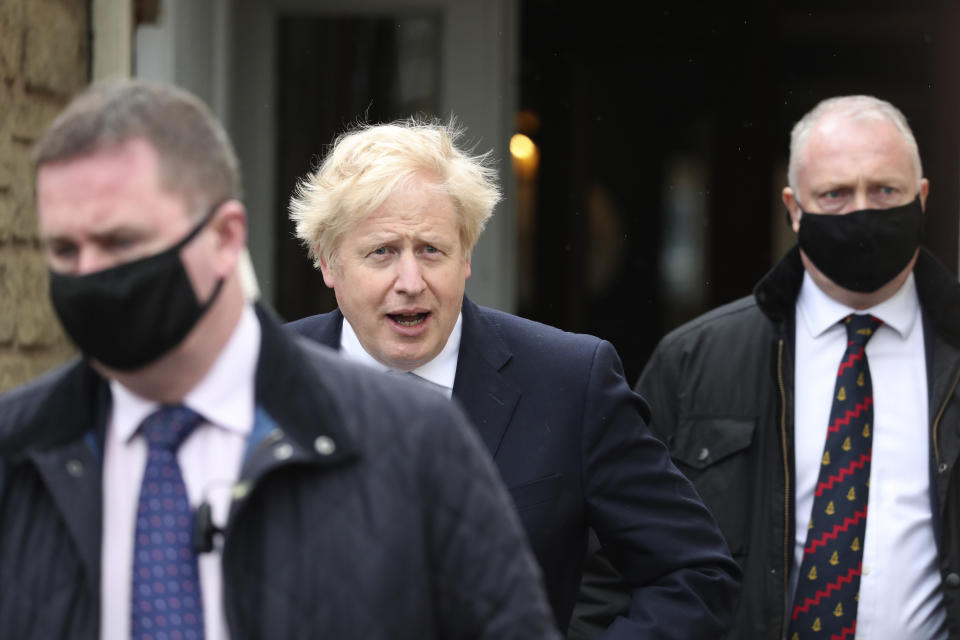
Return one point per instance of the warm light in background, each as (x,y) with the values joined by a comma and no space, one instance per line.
(522,147)
(526,156)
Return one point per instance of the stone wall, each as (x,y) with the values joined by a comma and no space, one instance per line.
(44,61)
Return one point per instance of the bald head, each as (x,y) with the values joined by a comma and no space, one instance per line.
(828,114)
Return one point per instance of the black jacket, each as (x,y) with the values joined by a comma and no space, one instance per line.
(721,392)
(402,530)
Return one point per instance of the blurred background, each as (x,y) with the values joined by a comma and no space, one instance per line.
(642,151)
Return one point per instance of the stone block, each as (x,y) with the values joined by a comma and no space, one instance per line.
(55,45)
(8,317)
(20,219)
(29,118)
(6,217)
(11,38)
(37,325)
(15,369)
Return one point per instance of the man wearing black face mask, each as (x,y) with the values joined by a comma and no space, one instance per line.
(202,473)
(825,446)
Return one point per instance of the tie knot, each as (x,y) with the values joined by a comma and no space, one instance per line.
(861,327)
(168,426)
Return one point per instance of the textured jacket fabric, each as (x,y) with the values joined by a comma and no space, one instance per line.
(400,529)
(721,392)
(571,442)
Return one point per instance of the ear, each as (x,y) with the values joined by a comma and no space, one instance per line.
(924,191)
(229,225)
(793,209)
(329,273)
(468,267)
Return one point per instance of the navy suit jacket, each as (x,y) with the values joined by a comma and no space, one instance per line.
(571,442)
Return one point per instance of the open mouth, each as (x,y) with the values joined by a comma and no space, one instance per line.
(409,319)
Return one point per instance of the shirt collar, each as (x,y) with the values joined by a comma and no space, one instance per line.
(442,370)
(224,396)
(820,312)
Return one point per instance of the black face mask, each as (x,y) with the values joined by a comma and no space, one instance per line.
(862,250)
(129,315)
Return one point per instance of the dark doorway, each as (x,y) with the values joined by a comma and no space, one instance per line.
(333,73)
(663,134)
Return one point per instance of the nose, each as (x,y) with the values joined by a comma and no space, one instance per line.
(860,200)
(409,277)
(90,260)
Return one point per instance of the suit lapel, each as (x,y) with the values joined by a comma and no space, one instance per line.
(488,398)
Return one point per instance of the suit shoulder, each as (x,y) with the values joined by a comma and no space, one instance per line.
(521,332)
(310,324)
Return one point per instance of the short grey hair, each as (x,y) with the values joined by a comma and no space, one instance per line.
(367,164)
(854,107)
(197,161)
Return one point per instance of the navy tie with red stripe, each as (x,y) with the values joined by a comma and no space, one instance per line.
(825,602)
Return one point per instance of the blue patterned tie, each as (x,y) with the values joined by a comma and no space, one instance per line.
(828,585)
(166,583)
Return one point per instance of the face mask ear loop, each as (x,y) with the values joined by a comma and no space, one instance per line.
(207,217)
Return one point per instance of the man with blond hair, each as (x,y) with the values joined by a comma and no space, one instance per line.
(200,472)
(390,218)
(819,417)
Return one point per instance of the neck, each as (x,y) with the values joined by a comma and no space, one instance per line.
(173,375)
(856,299)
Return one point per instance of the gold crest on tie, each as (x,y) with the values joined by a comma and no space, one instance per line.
(865,331)
(830,510)
(813,573)
(835,559)
(866,430)
(855,546)
(816,624)
(826,458)
(860,382)
(838,610)
(842,395)
(852,494)
(846,444)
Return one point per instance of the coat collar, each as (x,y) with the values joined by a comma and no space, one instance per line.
(324,328)
(486,394)
(939,292)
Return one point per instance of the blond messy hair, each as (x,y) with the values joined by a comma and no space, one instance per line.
(367,164)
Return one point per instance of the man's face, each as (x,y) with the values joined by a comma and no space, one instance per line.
(106,208)
(401,275)
(848,165)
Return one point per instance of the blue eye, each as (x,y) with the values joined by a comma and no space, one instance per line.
(380,251)
(431,249)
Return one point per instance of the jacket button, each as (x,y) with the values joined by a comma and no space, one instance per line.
(324,445)
(75,468)
(943,467)
(952,580)
(282,451)
(703,454)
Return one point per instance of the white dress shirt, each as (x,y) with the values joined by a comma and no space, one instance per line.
(210,460)
(900,586)
(441,371)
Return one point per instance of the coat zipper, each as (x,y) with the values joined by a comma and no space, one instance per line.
(936,421)
(786,484)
